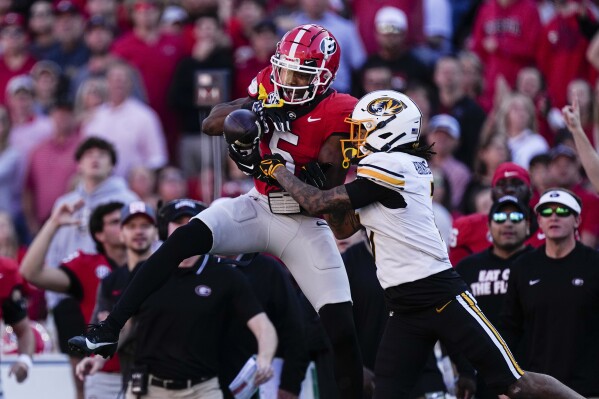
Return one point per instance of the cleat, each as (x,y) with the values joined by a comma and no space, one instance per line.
(98,340)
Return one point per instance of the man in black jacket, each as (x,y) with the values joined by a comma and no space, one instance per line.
(553,298)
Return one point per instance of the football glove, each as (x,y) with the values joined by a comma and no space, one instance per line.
(268,165)
(247,160)
(313,174)
(279,118)
(257,107)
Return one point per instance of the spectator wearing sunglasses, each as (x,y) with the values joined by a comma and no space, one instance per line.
(552,302)
(487,272)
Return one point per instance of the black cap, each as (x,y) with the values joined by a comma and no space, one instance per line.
(173,210)
(509,199)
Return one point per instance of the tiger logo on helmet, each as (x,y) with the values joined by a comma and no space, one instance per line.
(380,122)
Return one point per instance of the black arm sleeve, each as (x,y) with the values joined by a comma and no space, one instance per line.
(195,238)
(75,289)
(14,308)
(364,192)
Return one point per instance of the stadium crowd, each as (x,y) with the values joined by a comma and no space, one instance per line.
(103,101)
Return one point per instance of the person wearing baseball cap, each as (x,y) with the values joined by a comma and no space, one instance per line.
(444,131)
(487,272)
(552,296)
(470,233)
(176,212)
(71,53)
(191,298)
(137,208)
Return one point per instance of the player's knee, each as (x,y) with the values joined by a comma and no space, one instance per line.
(194,238)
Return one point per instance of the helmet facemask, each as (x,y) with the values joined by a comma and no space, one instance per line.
(354,148)
(286,70)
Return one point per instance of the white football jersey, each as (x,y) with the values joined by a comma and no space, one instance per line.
(406,242)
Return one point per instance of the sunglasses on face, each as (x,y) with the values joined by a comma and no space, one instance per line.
(562,212)
(501,217)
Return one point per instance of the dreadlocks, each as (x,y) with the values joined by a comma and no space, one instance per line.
(417,149)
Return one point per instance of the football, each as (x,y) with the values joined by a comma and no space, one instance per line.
(241,127)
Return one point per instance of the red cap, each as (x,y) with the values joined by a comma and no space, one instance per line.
(510,169)
(12,19)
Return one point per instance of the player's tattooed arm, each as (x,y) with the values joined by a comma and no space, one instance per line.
(343,224)
(334,203)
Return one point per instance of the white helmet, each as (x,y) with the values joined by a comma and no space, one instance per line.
(381,121)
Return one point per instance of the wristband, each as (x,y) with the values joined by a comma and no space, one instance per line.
(25,359)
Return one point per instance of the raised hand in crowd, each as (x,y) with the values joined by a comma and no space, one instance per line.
(588,155)
(65,214)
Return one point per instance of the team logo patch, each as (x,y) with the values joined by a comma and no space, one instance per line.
(186,203)
(328,46)
(385,106)
(203,290)
(102,271)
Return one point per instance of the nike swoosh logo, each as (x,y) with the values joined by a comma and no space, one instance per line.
(321,223)
(533,282)
(91,345)
(310,119)
(439,310)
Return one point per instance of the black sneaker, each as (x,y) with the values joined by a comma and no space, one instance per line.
(98,339)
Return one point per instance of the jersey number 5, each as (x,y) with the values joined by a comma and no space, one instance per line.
(274,147)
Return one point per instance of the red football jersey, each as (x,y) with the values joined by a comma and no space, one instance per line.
(9,280)
(89,269)
(470,234)
(309,130)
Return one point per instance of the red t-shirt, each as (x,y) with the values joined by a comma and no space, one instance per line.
(309,130)
(365,12)
(589,217)
(561,56)
(470,234)
(517,29)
